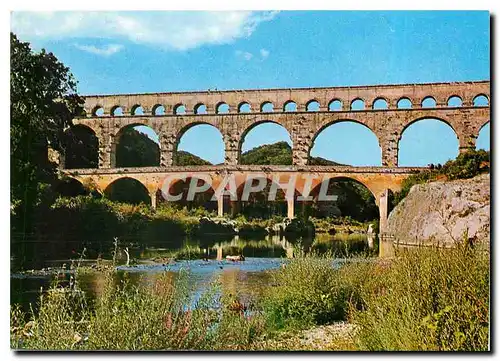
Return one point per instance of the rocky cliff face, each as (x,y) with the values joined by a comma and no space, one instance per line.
(444,212)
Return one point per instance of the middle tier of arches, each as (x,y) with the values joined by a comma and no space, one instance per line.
(302,129)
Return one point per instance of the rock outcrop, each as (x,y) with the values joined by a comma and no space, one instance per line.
(444,211)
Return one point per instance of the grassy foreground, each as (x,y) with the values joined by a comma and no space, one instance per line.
(424,299)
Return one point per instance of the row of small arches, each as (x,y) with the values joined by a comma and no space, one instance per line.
(291,106)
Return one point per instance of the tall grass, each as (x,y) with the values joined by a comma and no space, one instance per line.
(427,299)
(127,317)
(423,299)
(310,291)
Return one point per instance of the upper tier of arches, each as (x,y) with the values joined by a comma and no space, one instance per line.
(417,96)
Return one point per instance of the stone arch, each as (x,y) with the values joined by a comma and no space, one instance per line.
(358,104)
(290,106)
(81,147)
(280,205)
(266,107)
(335,105)
(158,109)
(117,111)
(179,109)
(244,107)
(181,187)
(98,111)
(190,126)
(222,108)
(254,125)
(312,105)
(404,103)
(481,100)
(127,189)
(434,117)
(428,102)
(425,118)
(137,110)
(330,122)
(70,187)
(380,103)
(200,108)
(454,101)
(124,153)
(483,139)
(348,184)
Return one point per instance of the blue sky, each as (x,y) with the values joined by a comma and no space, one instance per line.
(132,52)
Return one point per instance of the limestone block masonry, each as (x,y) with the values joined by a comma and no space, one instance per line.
(182,111)
(170,115)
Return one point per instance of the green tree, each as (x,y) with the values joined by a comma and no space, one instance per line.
(43,104)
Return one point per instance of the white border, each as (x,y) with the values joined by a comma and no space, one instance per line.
(191,5)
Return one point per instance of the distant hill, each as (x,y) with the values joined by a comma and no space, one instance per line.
(267,154)
(137,149)
(186,158)
(277,153)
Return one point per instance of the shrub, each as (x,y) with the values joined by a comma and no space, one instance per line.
(427,299)
(310,291)
(466,165)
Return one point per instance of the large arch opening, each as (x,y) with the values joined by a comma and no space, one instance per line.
(483,140)
(199,144)
(345,142)
(347,198)
(81,148)
(427,141)
(70,187)
(127,190)
(180,189)
(266,143)
(136,145)
(263,204)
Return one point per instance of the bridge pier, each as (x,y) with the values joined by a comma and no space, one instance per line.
(385,242)
(220,206)
(152,195)
(290,208)
(235,208)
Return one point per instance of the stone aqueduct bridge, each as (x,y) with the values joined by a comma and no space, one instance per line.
(235,113)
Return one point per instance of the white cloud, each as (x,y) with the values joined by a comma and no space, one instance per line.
(264,53)
(107,50)
(166,29)
(244,54)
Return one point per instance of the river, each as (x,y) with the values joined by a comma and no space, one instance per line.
(203,260)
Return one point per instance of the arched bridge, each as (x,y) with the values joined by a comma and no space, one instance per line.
(387,110)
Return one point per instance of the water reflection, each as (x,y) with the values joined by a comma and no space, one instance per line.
(246,279)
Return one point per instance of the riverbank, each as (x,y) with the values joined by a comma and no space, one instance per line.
(95,225)
(436,298)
